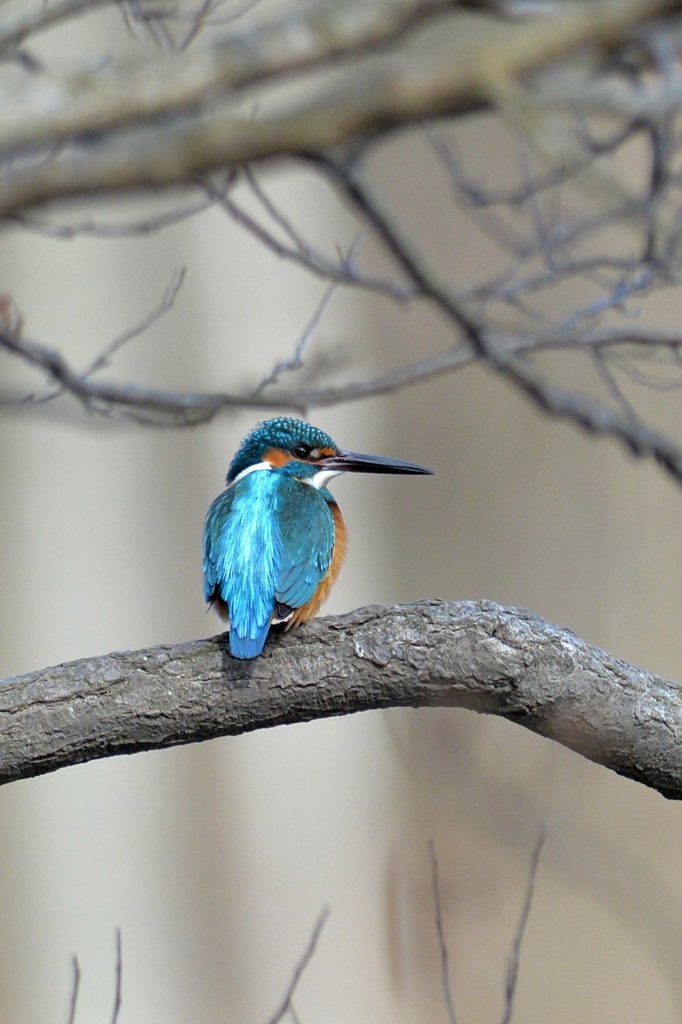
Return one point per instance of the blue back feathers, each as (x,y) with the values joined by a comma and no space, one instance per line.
(242,550)
(269,538)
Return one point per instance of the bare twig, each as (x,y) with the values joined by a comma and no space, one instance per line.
(163,306)
(13,34)
(295,360)
(442,944)
(155,406)
(477,194)
(301,252)
(118,974)
(286,1004)
(147,225)
(198,19)
(515,955)
(75,987)
(612,386)
(118,1001)
(590,416)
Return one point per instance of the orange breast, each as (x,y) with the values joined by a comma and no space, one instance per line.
(309,610)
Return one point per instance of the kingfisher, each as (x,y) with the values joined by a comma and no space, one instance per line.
(274,540)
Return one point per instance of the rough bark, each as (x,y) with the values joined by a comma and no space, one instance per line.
(478,655)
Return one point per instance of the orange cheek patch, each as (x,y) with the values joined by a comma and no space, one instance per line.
(276,457)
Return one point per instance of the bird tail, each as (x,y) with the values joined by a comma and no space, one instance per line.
(246,647)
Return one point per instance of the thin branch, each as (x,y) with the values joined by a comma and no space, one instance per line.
(515,956)
(145,405)
(273,211)
(612,386)
(207,19)
(75,987)
(302,253)
(638,438)
(118,979)
(592,417)
(154,406)
(295,360)
(13,34)
(442,944)
(163,306)
(68,380)
(286,1005)
(118,975)
(147,225)
(198,19)
(428,283)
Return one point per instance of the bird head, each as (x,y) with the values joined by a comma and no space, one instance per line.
(299,449)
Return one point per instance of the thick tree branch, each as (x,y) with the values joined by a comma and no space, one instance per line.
(153,88)
(478,655)
(173,95)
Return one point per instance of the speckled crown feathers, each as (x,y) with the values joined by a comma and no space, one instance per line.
(283,432)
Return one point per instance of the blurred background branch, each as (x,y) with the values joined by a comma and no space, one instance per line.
(575,84)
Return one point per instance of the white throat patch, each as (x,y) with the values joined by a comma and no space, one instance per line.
(322,477)
(256,468)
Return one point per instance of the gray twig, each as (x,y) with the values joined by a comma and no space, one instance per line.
(163,306)
(75,987)
(517,943)
(118,1001)
(442,944)
(286,1006)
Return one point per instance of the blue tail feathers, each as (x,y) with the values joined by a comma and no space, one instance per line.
(246,647)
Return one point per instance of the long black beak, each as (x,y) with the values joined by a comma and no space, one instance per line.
(354,462)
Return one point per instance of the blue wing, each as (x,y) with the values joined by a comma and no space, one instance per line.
(268,543)
(306,527)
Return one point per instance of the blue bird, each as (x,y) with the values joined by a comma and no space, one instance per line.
(274,540)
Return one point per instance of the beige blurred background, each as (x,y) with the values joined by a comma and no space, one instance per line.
(216,860)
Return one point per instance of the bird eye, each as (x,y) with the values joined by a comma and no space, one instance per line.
(301,451)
